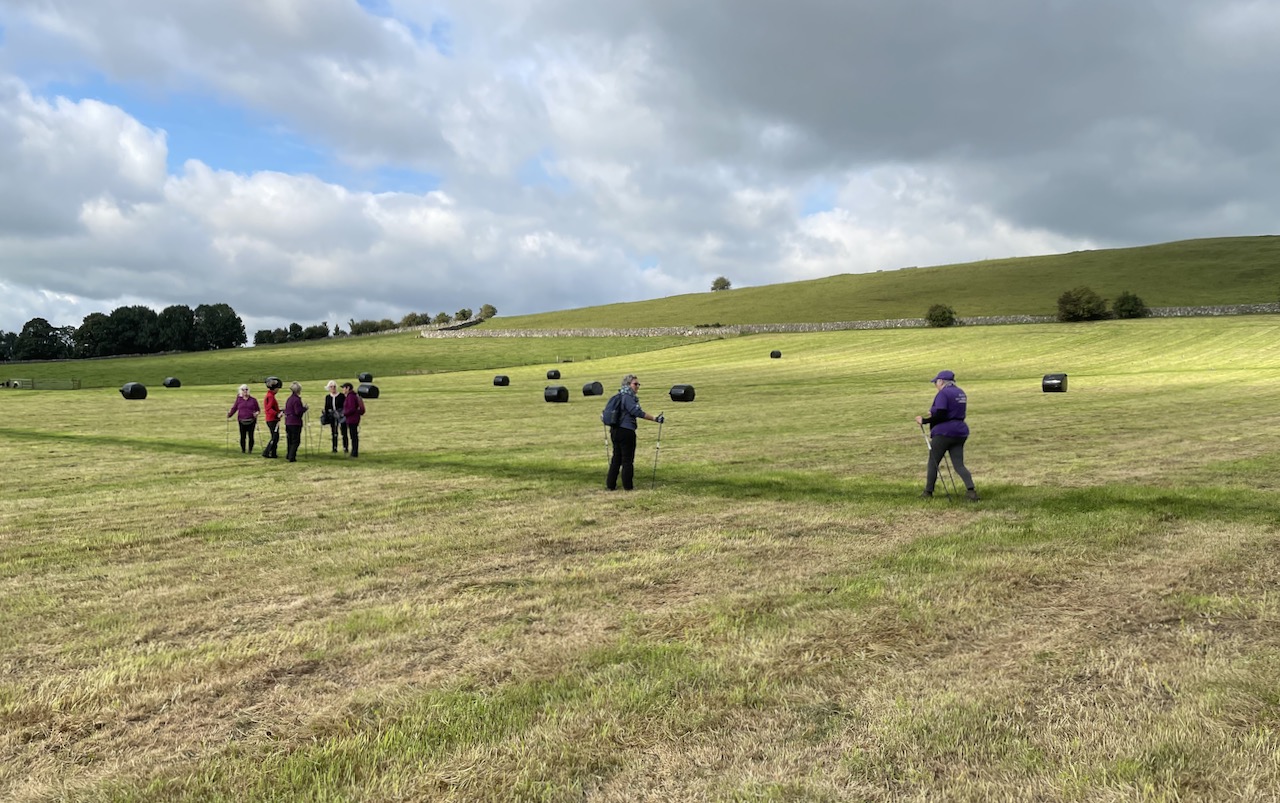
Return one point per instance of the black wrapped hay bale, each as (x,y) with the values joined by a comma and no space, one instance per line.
(593,389)
(364,377)
(682,393)
(172,382)
(133,390)
(775,354)
(501,380)
(556,393)
(367,391)
(553,374)
(1054,383)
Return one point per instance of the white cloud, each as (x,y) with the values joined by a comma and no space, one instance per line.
(581,152)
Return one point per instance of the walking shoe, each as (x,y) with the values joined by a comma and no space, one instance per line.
(335,450)
(971,495)
(926,494)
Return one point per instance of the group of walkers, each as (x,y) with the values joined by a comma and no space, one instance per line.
(343,410)
(946,419)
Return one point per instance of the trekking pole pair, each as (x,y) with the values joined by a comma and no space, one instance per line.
(946,461)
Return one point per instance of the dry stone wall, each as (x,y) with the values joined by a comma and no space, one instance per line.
(832,326)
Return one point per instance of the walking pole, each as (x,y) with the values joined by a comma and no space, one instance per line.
(656,446)
(929,445)
(226,436)
(608,452)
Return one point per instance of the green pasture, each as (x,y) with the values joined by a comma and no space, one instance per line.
(463,613)
(1228,270)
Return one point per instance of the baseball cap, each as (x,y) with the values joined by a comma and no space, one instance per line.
(948,375)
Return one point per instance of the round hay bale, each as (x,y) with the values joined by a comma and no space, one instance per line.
(367,391)
(593,389)
(556,393)
(1054,383)
(682,393)
(775,354)
(172,382)
(501,380)
(553,374)
(364,377)
(133,390)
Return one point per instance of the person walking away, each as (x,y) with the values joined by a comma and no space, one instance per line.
(245,409)
(352,411)
(271,412)
(947,432)
(294,409)
(623,436)
(332,415)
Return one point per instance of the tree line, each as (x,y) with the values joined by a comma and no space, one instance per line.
(141,330)
(127,330)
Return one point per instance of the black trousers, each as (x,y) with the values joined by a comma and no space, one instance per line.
(274,428)
(333,430)
(354,431)
(623,461)
(293,438)
(940,445)
(247,429)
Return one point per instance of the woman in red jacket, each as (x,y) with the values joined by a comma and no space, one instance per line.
(271,412)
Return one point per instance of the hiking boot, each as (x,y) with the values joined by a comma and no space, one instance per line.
(971,495)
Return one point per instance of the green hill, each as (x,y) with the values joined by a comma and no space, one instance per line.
(1233,270)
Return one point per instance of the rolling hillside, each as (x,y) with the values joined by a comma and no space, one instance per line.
(1235,270)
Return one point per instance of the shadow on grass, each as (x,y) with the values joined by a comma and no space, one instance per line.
(1198,503)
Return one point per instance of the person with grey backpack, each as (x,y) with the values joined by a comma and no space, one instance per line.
(620,415)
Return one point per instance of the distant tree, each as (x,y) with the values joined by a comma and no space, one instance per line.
(441,318)
(295,332)
(337,331)
(940,315)
(133,330)
(264,337)
(94,337)
(364,327)
(218,327)
(318,332)
(461,315)
(1081,304)
(1128,305)
(280,335)
(386,325)
(39,340)
(720,283)
(488,311)
(7,340)
(415,319)
(176,328)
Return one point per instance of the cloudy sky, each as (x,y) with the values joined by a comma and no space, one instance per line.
(323,160)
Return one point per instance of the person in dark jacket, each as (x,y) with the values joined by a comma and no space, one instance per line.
(333,402)
(271,412)
(353,409)
(294,410)
(245,409)
(947,432)
(623,436)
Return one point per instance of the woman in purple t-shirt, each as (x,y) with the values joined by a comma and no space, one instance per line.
(948,432)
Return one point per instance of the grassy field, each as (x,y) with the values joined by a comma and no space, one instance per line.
(464,614)
(1233,270)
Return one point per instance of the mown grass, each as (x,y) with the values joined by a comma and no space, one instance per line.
(462,613)
(401,354)
(1231,270)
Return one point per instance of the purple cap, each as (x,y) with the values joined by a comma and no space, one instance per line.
(948,375)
